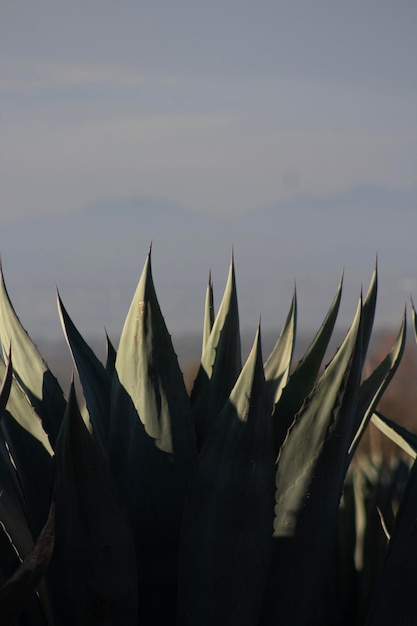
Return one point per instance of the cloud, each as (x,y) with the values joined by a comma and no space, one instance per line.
(29,75)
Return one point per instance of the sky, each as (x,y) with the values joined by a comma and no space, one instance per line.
(220,107)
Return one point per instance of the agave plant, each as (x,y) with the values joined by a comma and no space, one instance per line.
(216,507)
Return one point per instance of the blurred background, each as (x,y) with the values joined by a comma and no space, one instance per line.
(284,130)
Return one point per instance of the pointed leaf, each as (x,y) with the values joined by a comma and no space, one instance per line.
(147,368)
(208,313)
(10,488)
(414,319)
(94,378)
(32,372)
(302,380)
(226,539)
(277,366)
(110,357)
(221,362)
(152,447)
(6,385)
(374,386)
(398,434)
(317,421)
(309,480)
(19,408)
(369,306)
(25,462)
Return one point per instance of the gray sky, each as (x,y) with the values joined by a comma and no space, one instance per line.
(222,106)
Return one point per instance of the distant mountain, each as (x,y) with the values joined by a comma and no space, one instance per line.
(95,256)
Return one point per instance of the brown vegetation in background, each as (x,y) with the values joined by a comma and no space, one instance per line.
(399,402)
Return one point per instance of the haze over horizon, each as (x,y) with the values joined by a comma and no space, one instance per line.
(95,257)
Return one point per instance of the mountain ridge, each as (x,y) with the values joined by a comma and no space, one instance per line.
(95,255)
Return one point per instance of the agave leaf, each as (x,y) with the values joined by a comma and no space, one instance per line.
(319,419)
(226,538)
(32,612)
(33,466)
(302,380)
(9,483)
(394,598)
(374,386)
(208,313)
(373,490)
(309,481)
(221,362)
(147,368)
(18,590)
(94,378)
(110,357)
(12,519)
(28,466)
(25,452)
(152,446)
(18,406)
(369,306)
(277,366)
(12,500)
(16,544)
(414,319)
(398,434)
(6,385)
(92,573)
(339,604)
(31,370)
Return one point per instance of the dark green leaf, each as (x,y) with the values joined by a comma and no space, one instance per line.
(398,434)
(221,363)
(309,481)
(277,366)
(25,459)
(208,313)
(33,467)
(153,449)
(110,357)
(147,369)
(302,380)
(374,386)
(369,306)
(16,544)
(95,380)
(30,369)
(6,385)
(18,406)
(92,573)
(14,526)
(227,530)
(395,598)
(18,591)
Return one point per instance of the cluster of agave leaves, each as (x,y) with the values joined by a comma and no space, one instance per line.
(216,507)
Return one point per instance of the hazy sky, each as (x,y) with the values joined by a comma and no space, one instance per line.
(220,106)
